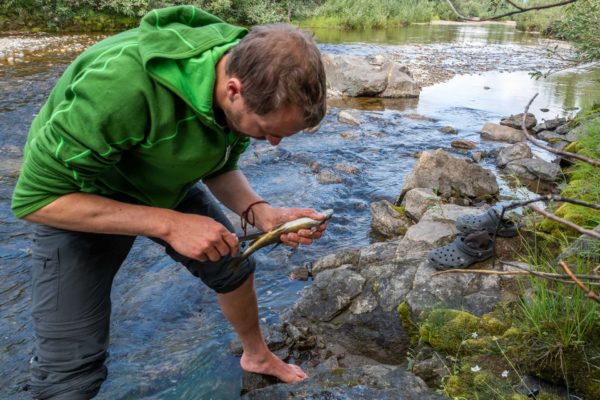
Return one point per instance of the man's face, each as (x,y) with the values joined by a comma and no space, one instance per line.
(272,127)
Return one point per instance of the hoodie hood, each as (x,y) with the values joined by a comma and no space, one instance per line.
(180,47)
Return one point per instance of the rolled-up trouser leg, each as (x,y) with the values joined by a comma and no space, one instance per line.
(213,274)
(72,274)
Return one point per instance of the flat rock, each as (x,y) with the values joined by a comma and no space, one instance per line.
(500,133)
(347,118)
(515,121)
(463,144)
(517,151)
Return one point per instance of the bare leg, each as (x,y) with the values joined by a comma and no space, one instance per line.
(241,309)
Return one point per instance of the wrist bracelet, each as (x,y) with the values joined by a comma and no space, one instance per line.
(247,217)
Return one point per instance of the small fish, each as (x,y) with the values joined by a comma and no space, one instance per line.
(272,236)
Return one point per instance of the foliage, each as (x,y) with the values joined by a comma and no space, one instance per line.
(59,14)
(581,25)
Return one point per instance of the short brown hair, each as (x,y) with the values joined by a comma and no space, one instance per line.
(279,65)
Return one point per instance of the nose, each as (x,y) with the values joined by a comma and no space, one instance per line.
(274,140)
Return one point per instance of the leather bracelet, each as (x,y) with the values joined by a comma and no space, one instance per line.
(247,217)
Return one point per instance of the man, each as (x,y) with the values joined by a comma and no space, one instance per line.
(116,151)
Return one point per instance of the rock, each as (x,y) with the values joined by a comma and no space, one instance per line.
(477,294)
(314,166)
(584,246)
(550,136)
(347,168)
(479,155)
(346,118)
(552,124)
(463,144)
(356,77)
(431,370)
(335,260)
(418,200)
(418,117)
(563,129)
(448,129)
(534,168)
(491,131)
(331,293)
(511,153)
(544,109)
(437,226)
(386,220)
(574,134)
(384,382)
(446,174)
(514,121)
(349,135)
(300,274)
(327,177)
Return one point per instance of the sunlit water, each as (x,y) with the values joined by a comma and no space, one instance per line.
(168,338)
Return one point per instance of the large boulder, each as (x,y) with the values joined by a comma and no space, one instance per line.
(387,221)
(501,133)
(446,174)
(357,77)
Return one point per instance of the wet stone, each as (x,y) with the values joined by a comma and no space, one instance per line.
(449,130)
(463,144)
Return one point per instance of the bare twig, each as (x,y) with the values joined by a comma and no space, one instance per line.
(566,223)
(525,269)
(589,293)
(539,143)
(518,11)
(562,278)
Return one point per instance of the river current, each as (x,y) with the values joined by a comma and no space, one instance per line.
(169,339)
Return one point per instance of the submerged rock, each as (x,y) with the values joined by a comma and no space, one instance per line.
(346,117)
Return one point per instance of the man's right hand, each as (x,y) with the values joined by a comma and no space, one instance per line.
(200,238)
(194,236)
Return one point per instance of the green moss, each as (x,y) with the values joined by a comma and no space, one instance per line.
(402,230)
(447,329)
(492,325)
(375,287)
(401,210)
(352,383)
(572,147)
(404,313)
(337,371)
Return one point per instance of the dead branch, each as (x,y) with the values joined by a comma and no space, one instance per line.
(589,293)
(566,223)
(539,143)
(561,278)
(518,11)
(565,276)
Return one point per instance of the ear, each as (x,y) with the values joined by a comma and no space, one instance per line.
(234,88)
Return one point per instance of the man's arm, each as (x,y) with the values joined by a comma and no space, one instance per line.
(234,191)
(194,236)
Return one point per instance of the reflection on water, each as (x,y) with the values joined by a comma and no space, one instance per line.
(423,34)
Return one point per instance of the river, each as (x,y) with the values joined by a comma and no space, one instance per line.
(168,338)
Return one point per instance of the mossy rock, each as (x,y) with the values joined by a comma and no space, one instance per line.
(405,315)
(447,329)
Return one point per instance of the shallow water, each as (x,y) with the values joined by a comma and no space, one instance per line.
(168,338)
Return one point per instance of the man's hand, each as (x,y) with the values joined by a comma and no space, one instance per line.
(200,238)
(268,217)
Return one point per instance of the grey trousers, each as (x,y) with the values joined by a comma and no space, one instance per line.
(72,275)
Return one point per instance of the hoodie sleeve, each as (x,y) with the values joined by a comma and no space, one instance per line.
(101,114)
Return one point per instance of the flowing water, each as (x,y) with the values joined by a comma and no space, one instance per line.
(168,337)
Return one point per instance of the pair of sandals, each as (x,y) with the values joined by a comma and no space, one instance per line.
(475,242)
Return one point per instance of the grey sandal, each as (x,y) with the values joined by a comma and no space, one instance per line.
(464,251)
(488,221)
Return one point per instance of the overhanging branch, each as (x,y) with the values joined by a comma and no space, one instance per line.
(518,10)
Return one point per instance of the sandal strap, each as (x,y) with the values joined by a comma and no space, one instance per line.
(462,246)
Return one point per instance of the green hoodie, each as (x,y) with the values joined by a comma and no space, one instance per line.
(133,116)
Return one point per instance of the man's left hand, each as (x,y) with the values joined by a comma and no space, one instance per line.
(268,217)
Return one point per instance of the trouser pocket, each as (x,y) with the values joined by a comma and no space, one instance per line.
(45,275)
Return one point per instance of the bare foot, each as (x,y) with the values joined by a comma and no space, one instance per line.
(270,364)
